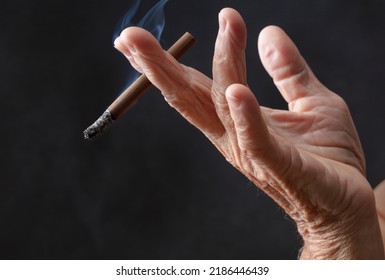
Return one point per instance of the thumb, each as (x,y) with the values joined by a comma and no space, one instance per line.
(286,66)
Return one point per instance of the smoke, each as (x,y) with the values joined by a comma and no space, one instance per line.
(153,21)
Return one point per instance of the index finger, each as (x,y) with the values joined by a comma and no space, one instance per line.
(184,88)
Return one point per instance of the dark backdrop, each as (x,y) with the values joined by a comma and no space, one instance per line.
(153,187)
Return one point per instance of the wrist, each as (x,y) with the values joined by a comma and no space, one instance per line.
(345,236)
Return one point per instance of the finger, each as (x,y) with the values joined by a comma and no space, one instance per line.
(258,147)
(229,64)
(184,88)
(286,66)
(252,134)
(145,52)
(123,48)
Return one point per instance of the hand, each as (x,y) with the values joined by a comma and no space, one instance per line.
(308,158)
(379,193)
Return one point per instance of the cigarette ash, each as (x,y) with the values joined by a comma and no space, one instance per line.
(99,126)
(154,22)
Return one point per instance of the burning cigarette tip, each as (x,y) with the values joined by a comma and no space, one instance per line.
(99,126)
(133,92)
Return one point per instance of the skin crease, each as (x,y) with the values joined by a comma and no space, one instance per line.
(379,193)
(307,158)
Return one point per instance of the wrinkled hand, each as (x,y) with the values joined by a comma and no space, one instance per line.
(308,158)
(379,193)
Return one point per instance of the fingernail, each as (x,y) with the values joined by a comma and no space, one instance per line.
(116,41)
(222,24)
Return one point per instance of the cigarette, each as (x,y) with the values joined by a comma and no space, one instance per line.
(134,91)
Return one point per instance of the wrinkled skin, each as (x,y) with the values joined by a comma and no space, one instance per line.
(307,158)
(379,193)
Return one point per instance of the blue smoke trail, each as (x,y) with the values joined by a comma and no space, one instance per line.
(153,21)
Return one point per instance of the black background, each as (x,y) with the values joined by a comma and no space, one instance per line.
(153,187)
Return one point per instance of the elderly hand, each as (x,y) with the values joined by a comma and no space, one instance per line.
(379,193)
(308,158)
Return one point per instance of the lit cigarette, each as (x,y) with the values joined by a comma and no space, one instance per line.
(133,92)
